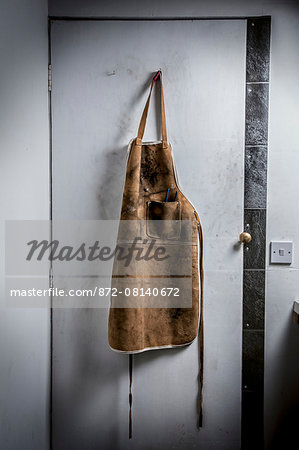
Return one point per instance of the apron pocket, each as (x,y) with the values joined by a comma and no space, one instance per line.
(163,220)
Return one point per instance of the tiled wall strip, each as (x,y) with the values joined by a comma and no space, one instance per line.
(255,198)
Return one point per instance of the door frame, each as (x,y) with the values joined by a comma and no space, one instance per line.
(255,209)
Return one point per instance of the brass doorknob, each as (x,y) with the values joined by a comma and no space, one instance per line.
(245,237)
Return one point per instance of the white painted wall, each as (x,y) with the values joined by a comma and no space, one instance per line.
(24,333)
(282,334)
(281,362)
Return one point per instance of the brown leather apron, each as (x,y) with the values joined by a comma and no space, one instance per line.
(150,178)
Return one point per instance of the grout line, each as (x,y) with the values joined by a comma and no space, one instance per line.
(253,330)
(252,209)
(255,145)
(254,270)
(252,391)
(258,209)
(257,82)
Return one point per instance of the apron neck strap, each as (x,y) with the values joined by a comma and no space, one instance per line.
(145,112)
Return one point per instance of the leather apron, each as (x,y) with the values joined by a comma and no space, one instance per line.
(150,178)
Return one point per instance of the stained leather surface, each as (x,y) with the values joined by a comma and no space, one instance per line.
(149,174)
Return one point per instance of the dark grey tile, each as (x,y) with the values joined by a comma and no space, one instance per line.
(253,299)
(253,360)
(255,251)
(255,188)
(256,126)
(252,421)
(258,49)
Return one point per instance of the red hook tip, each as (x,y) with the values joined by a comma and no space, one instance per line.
(157,75)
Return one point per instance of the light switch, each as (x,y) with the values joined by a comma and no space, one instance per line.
(281,252)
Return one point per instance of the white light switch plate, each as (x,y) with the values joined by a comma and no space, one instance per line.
(281,252)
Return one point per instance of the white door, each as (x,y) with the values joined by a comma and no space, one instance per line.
(101,71)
